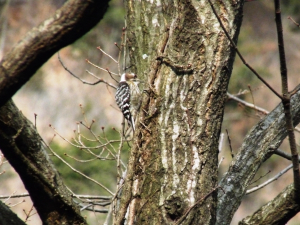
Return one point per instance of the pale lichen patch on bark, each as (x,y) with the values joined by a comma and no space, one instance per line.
(174,148)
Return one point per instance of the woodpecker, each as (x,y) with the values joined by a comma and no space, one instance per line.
(123,97)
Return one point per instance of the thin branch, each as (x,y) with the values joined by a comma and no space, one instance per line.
(286,100)
(240,55)
(250,105)
(14,196)
(283,154)
(96,197)
(99,48)
(71,21)
(28,214)
(259,109)
(99,67)
(221,160)
(260,177)
(229,142)
(18,203)
(291,19)
(270,180)
(83,81)
(76,171)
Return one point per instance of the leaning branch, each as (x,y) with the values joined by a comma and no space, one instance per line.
(71,21)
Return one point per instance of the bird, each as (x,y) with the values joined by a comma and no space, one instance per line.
(123,97)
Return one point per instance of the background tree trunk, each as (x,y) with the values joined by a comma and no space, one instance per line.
(185,59)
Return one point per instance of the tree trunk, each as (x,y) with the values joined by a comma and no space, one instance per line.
(180,51)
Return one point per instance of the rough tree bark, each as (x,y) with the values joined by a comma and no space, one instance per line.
(257,147)
(19,141)
(179,49)
(285,206)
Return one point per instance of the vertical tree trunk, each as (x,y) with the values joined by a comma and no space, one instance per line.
(180,51)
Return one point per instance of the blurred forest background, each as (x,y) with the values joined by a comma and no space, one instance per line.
(54,96)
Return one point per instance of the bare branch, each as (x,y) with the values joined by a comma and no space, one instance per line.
(291,19)
(283,154)
(250,105)
(240,55)
(286,100)
(269,181)
(76,171)
(100,80)
(259,109)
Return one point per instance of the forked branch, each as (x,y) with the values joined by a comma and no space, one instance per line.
(286,100)
(240,55)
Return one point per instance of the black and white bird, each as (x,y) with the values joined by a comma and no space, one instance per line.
(123,97)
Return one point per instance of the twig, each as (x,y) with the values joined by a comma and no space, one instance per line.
(100,80)
(261,110)
(291,19)
(221,160)
(250,105)
(76,171)
(99,48)
(262,176)
(229,142)
(96,197)
(88,208)
(28,214)
(14,196)
(283,154)
(108,216)
(8,197)
(18,203)
(99,67)
(35,116)
(252,95)
(221,142)
(270,180)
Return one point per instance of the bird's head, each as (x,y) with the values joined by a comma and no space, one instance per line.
(128,77)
